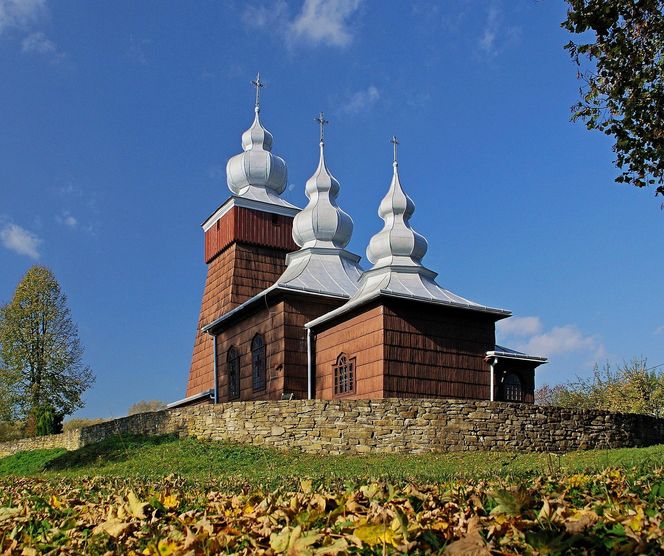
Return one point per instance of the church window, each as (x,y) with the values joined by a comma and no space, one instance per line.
(233,363)
(513,392)
(258,362)
(344,375)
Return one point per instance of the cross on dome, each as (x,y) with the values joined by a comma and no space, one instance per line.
(395,142)
(259,85)
(322,122)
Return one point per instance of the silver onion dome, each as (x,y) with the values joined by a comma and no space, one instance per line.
(397,243)
(256,172)
(322,223)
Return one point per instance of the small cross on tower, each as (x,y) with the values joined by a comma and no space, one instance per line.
(322,122)
(395,142)
(259,85)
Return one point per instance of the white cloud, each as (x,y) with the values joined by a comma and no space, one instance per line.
(66,219)
(319,22)
(266,16)
(563,339)
(20,13)
(38,43)
(659,331)
(496,35)
(361,100)
(20,240)
(488,40)
(528,334)
(324,22)
(519,326)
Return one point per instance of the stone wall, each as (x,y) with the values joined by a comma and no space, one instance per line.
(388,425)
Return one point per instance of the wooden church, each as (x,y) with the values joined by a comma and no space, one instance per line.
(289,313)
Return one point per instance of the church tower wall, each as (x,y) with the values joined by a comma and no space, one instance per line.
(245,250)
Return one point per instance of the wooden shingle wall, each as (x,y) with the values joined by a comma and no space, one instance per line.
(360,336)
(268,321)
(241,264)
(436,352)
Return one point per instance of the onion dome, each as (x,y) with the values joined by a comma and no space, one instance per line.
(397,242)
(257,173)
(322,230)
(396,252)
(322,223)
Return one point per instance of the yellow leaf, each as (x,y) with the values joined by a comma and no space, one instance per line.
(306,485)
(279,541)
(375,534)
(166,548)
(136,507)
(113,527)
(55,502)
(8,513)
(170,501)
(28,551)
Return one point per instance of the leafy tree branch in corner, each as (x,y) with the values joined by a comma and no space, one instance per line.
(623,90)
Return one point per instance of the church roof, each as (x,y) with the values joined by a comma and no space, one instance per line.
(322,230)
(256,174)
(507,353)
(396,252)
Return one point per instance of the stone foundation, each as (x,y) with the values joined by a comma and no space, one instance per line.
(378,426)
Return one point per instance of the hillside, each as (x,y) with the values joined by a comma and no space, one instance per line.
(166,496)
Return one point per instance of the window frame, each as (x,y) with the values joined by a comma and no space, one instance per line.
(258,355)
(513,390)
(344,375)
(233,357)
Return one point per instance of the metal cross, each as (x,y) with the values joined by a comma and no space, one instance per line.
(321,121)
(395,142)
(257,83)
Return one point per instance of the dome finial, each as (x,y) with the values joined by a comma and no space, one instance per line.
(322,122)
(395,142)
(259,85)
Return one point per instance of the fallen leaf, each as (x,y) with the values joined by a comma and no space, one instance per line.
(8,513)
(136,507)
(113,527)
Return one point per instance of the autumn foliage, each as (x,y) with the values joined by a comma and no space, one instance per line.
(609,512)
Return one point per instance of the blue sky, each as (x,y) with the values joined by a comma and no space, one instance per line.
(117,120)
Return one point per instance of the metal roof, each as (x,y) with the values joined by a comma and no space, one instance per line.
(507,353)
(397,251)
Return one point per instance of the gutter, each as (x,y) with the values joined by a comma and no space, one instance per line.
(310,369)
(195,397)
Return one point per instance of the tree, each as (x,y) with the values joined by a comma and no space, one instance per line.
(623,91)
(631,388)
(41,370)
(145,406)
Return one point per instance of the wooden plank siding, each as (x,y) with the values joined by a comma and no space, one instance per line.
(360,336)
(268,321)
(436,351)
(252,227)
(242,262)
(281,321)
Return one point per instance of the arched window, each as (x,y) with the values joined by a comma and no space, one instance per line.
(512,390)
(344,375)
(233,367)
(258,362)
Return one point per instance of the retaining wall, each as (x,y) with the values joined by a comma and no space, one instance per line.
(387,425)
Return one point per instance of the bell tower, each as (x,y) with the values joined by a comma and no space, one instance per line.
(246,240)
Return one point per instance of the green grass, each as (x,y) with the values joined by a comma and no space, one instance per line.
(155,457)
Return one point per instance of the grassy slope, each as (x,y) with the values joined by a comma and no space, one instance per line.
(212,461)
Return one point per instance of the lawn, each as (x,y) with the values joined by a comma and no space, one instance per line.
(164,495)
(237,465)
